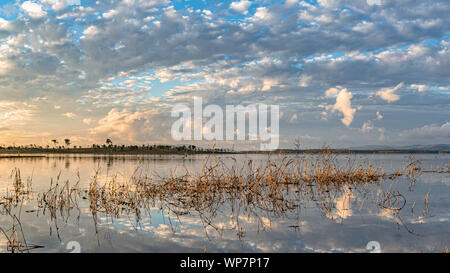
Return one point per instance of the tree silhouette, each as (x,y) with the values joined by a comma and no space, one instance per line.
(108,142)
(67,141)
(54,142)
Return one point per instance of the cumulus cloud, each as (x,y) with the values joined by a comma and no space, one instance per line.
(58,5)
(69,115)
(88,121)
(419,87)
(367,126)
(262,14)
(434,132)
(34,10)
(91,31)
(389,95)
(343,104)
(241,6)
(132,126)
(13,113)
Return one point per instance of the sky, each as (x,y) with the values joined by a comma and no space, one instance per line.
(344,73)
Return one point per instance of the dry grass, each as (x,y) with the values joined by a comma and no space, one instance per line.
(21,192)
(277,187)
(60,197)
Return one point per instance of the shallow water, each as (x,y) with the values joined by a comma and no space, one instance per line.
(351,219)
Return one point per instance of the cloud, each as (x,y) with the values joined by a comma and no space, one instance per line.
(127,126)
(69,115)
(144,55)
(88,121)
(343,104)
(290,3)
(13,113)
(331,92)
(379,116)
(419,87)
(262,14)
(367,126)
(433,132)
(90,32)
(241,6)
(34,10)
(58,5)
(388,93)
(293,118)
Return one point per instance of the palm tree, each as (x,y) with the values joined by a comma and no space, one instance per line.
(109,142)
(67,141)
(55,142)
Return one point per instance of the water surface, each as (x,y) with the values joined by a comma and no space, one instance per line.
(345,222)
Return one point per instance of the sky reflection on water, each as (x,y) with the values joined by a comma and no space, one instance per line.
(353,220)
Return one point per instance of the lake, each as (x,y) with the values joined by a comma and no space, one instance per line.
(341,220)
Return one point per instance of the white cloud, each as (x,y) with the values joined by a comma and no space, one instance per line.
(4,24)
(262,14)
(268,84)
(389,95)
(379,116)
(69,115)
(34,10)
(432,132)
(290,3)
(331,92)
(367,126)
(293,118)
(90,32)
(87,121)
(419,87)
(58,5)
(241,6)
(343,104)
(131,127)
(305,81)
(13,113)
(110,14)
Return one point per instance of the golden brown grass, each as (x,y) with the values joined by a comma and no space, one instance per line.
(276,187)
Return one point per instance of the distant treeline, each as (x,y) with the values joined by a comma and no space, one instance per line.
(110,148)
(113,149)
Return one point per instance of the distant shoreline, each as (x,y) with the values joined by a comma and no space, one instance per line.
(23,153)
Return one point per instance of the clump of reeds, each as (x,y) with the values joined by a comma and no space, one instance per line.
(412,167)
(113,198)
(20,190)
(16,242)
(60,197)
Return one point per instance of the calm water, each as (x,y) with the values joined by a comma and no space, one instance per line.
(351,218)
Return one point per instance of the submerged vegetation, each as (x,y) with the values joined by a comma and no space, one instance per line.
(281,186)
